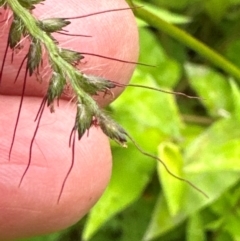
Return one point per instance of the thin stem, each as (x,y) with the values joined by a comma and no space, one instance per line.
(73,35)
(20,68)
(114,59)
(3,63)
(73,75)
(18,114)
(101,12)
(188,40)
(73,137)
(166,167)
(42,106)
(200,120)
(157,89)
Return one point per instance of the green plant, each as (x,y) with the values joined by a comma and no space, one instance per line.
(199,139)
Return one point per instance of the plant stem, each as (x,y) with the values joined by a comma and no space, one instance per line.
(52,49)
(188,40)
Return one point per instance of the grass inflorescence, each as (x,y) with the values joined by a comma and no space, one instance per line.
(63,63)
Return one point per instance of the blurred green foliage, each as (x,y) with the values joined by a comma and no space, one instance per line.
(198,139)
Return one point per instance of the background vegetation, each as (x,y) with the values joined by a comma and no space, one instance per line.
(198,139)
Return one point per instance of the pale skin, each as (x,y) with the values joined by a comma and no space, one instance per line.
(32,209)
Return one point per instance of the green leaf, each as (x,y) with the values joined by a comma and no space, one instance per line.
(173,4)
(216,8)
(212,87)
(166,15)
(129,178)
(195,230)
(232,51)
(173,188)
(141,23)
(161,221)
(236,99)
(190,132)
(228,212)
(166,72)
(232,225)
(217,149)
(206,166)
(215,225)
(147,114)
(214,155)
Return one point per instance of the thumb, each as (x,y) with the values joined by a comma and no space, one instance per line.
(31,209)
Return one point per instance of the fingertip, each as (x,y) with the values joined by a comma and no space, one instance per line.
(32,209)
(113,34)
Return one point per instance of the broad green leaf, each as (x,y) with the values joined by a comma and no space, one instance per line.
(189,134)
(212,87)
(236,99)
(226,208)
(195,229)
(134,220)
(212,173)
(141,23)
(161,221)
(232,51)
(232,225)
(210,159)
(166,15)
(212,184)
(217,149)
(221,157)
(131,223)
(131,173)
(149,116)
(173,188)
(216,8)
(215,225)
(173,4)
(224,236)
(166,72)
(227,202)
